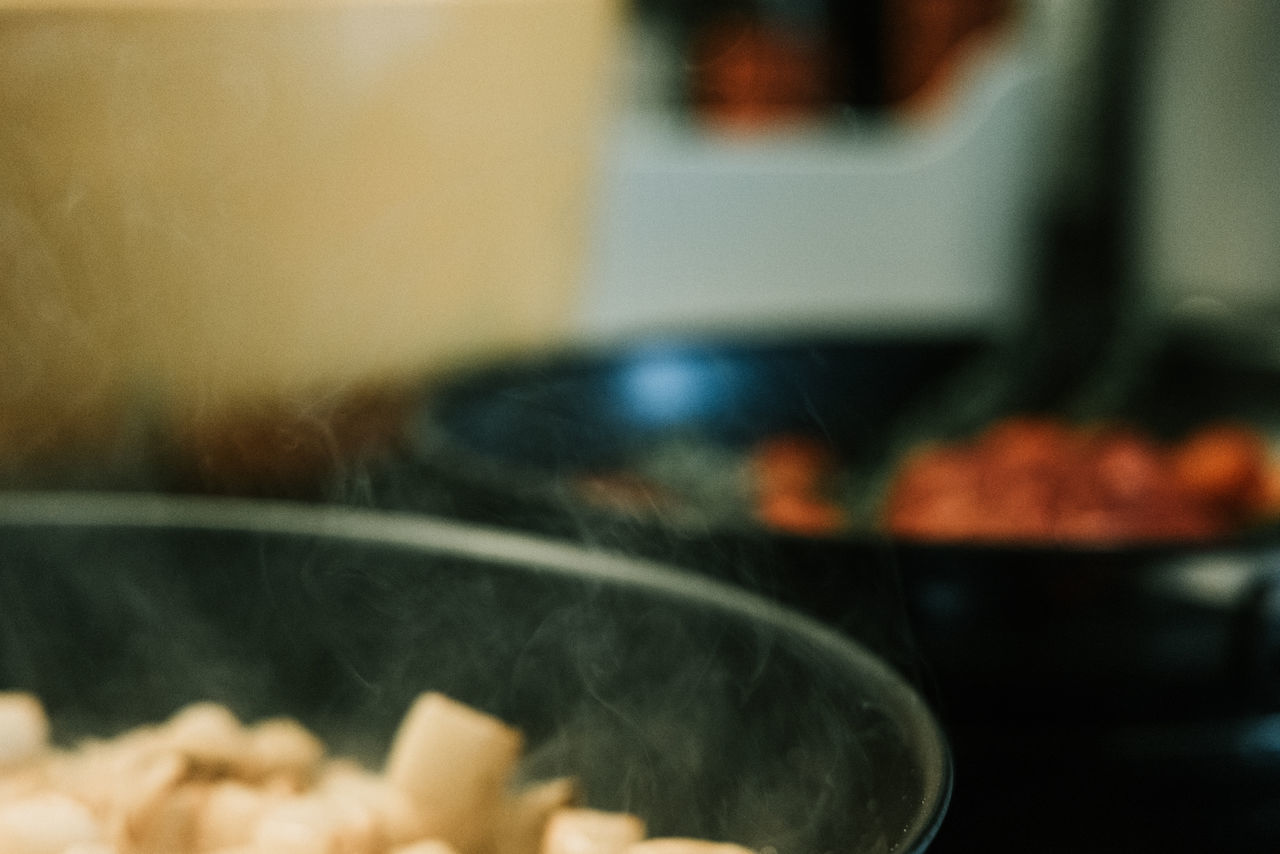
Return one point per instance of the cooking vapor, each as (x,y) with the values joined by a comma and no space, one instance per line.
(1037,651)
(258,224)
(705,711)
(329,254)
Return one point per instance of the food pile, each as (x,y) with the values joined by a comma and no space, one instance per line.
(793,488)
(1024,479)
(1042,480)
(204,782)
(789,481)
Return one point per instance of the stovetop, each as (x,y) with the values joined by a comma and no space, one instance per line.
(1190,786)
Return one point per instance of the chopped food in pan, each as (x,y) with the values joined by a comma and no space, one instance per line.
(1042,480)
(789,481)
(792,485)
(204,782)
(1024,479)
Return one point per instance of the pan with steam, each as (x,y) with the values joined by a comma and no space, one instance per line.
(1009,631)
(706,711)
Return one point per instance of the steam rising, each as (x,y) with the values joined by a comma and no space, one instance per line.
(202,210)
(706,721)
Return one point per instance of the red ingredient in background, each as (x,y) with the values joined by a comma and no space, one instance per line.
(797,513)
(790,464)
(1222,462)
(1041,480)
(749,74)
(927,42)
(790,478)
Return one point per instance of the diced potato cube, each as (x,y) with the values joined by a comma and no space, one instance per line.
(313,825)
(124,775)
(210,736)
(46,824)
(426,846)
(454,762)
(282,746)
(346,781)
(140,797)
(587,831)
(230,813)
(170,825)
(28,779)
(682,845)
(526,813)
(24,728)
(91,848)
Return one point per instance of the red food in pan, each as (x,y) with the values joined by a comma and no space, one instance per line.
(1043,480)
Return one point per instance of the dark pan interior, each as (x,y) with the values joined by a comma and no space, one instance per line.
(534,421)
(707,717)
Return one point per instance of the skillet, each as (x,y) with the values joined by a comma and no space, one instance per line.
(1111,633)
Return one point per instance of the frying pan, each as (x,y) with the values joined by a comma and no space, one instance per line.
(993,633)
(506,442)
(706,710)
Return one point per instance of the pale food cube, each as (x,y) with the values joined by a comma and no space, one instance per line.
(399,819)
(682,845)
(46,824)
(170,825)
(229,815)
(426,846)
(454,762)
(91,848)
(209,735)
(587,831)
(139,797)
(526,814)
(312,825)
(24,729)
(285,747)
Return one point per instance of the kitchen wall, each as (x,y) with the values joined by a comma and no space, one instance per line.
(926,221)
(938,220)
(1209,248)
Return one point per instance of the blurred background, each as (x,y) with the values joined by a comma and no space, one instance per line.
(995,282)
(835,165)
(914,164)
(1079,182)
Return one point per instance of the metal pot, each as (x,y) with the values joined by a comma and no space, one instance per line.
(709,712)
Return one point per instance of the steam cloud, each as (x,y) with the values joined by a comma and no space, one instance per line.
(706,722)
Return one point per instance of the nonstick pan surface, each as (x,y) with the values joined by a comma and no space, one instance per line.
(1105,633)
(707,711)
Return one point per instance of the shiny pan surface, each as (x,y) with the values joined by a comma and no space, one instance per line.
(704,709)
